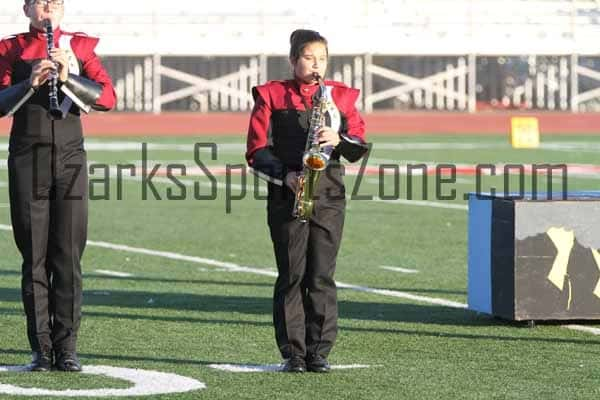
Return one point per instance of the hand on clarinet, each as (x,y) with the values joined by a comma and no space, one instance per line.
(40,72)
(61,58)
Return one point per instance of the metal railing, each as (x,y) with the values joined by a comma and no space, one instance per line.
(392,82)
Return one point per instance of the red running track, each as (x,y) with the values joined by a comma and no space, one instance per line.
(389,123)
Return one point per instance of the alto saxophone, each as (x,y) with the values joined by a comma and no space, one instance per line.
(314,159)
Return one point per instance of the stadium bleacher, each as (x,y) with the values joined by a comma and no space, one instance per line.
(449,55)
(379,26)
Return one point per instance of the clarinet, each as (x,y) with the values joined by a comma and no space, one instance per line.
(54,110)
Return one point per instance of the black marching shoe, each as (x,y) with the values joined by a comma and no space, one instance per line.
(41,361)
(67,361)
(294,364)
(317,363)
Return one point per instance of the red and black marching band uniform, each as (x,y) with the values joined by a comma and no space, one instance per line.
(305,301)
(48,181)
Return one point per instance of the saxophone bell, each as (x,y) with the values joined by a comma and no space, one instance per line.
(315,160)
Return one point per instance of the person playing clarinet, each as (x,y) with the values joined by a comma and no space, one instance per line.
(47,78)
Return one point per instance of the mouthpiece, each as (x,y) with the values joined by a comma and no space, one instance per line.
(317,77)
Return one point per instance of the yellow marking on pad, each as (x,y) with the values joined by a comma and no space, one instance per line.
(563,241)
(597,260)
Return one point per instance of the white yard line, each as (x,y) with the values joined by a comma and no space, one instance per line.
(465,181)
(402,295)
(144,383)
(4,205)
(553,146)
(140,163)
(181,257)
(377,161)
(269,367)
(113,273)
(424,203)
(93,145)
(398,269)
(438,146)
(570,146)
(265,272)
(259,271)
(582,328)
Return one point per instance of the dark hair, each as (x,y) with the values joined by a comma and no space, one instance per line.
(300,38)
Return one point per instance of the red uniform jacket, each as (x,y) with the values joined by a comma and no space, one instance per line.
(280,120)
(31,124)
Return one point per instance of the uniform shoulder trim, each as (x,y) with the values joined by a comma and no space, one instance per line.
(265,89)
(83,45)
(261,91)
(15,35)
(274,83)
(81,34)
(9,38)
(9,45)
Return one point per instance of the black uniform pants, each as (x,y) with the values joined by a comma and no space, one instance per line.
(48,198)
(305,299)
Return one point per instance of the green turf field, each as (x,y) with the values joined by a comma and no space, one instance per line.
(180,315)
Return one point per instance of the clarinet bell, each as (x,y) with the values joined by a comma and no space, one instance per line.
(54,112)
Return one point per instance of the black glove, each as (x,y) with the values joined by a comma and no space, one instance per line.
(351,148)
